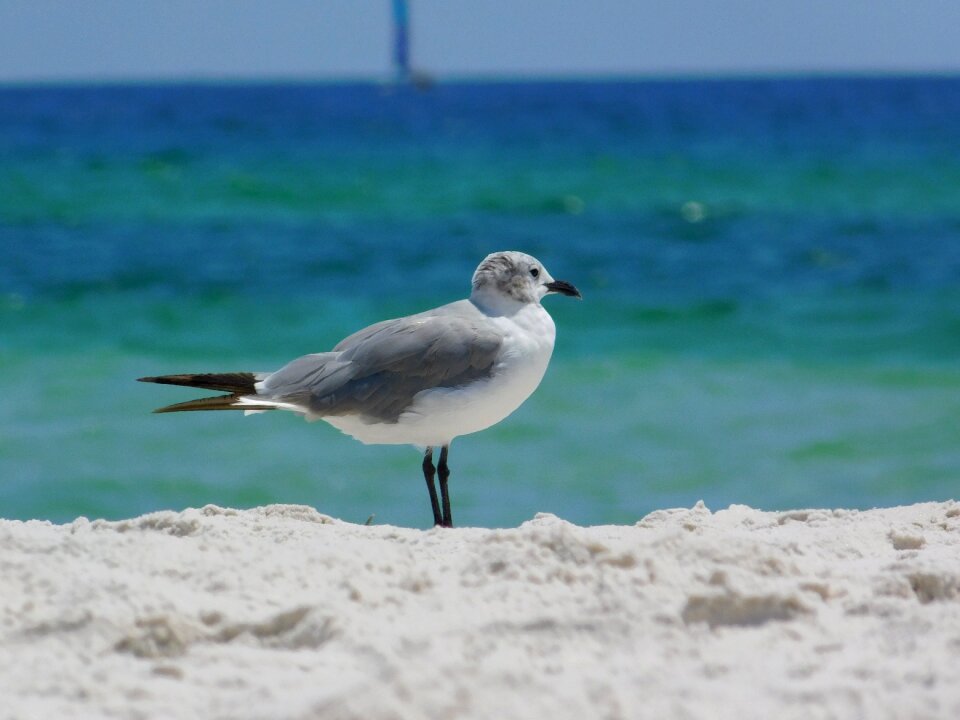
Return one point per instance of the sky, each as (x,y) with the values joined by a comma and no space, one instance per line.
(115,40)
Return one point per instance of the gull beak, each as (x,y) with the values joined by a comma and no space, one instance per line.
(564,288)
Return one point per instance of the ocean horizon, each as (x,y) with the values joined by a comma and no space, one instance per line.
(493,78)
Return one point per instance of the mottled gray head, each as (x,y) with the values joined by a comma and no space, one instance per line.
(517,276)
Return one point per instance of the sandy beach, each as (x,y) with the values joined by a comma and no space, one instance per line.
(283,612)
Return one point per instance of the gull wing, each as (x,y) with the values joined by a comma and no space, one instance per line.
(376,372)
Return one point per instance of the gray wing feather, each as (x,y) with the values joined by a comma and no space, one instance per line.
(375,373)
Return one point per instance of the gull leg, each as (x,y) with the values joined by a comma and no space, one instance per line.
(428,471)
(443,472)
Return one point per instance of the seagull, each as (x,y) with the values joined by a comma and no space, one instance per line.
(419,380)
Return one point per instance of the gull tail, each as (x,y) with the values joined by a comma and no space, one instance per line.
(237,385)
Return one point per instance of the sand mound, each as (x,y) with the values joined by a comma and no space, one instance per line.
(282,612)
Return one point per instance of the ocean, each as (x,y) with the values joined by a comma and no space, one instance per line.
(770,272)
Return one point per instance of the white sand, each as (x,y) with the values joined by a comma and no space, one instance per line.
(281,612)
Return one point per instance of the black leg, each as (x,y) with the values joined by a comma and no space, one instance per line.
(443,472)
(428,471)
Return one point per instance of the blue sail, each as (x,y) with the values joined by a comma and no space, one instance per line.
(401,40)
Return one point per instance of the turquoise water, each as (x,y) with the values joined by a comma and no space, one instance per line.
(770,270)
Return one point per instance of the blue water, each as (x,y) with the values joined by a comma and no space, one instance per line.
(770,270)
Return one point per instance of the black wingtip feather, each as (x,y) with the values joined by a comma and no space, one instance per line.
(217,402)
(237,383)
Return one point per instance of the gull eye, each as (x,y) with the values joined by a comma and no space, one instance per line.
(535,272)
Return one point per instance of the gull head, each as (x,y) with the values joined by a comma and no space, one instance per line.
(516,277)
